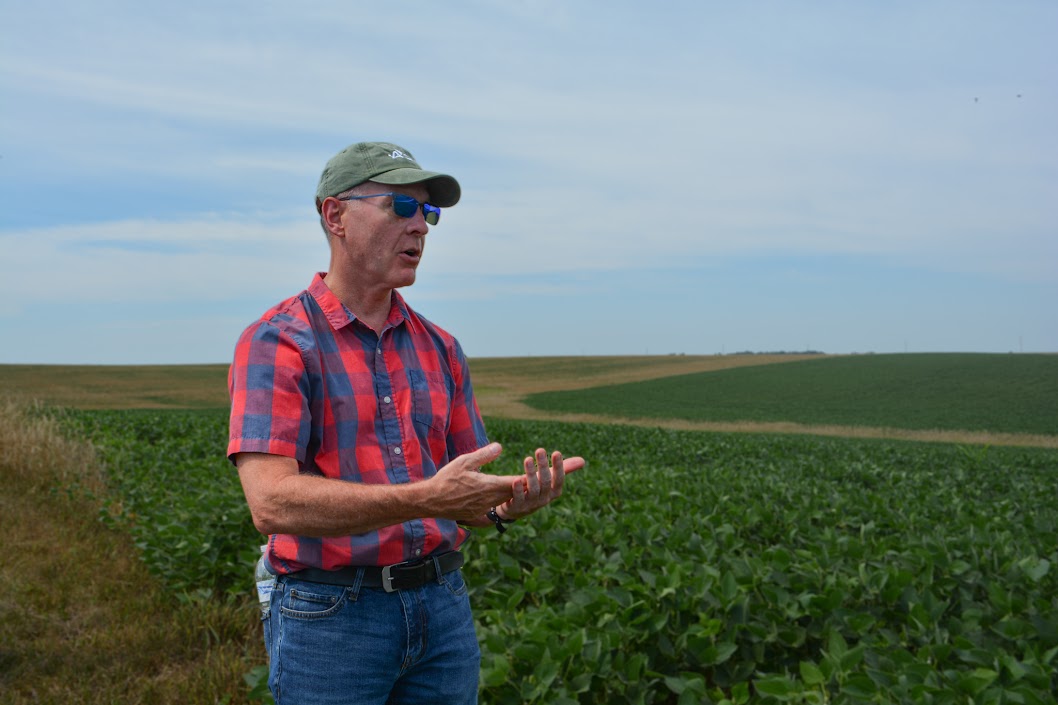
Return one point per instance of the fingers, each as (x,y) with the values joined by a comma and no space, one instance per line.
(559,475)
(542,482)
(543,465)
(572,464)
(545,476)
(532,475)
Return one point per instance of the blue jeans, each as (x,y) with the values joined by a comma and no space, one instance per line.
(337,644)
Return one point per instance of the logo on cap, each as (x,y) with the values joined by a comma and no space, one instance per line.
(397,154)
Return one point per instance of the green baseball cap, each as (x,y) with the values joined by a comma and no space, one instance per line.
(383,163)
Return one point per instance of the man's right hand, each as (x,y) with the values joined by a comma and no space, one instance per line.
(464,493)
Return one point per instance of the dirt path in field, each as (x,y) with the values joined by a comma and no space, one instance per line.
(501,384)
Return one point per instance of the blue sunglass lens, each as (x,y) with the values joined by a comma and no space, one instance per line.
(431,213)
(405,207)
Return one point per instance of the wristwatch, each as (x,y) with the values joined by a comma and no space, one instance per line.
(498,521)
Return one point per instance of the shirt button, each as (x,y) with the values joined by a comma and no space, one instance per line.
(386,399)
(418,552)
(378,350)
(397,451)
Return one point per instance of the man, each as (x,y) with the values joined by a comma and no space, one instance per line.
(359,446)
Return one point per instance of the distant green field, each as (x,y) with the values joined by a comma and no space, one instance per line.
(1000,393)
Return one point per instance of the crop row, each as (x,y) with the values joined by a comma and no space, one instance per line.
(687,567)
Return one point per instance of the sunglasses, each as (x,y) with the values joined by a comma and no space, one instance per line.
(404,206)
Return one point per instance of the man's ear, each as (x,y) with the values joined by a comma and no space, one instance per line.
(331,214)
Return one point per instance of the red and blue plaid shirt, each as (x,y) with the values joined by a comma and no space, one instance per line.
(311,382)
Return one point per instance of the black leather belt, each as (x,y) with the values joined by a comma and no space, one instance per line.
(399,576)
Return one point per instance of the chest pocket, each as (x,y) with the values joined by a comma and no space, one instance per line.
(431,403)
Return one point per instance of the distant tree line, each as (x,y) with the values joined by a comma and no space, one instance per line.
(779,352)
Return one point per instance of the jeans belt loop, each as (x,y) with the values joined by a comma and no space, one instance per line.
(437,569)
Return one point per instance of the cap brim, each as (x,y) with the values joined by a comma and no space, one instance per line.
(444,189)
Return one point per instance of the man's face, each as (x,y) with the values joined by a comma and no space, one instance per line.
(384,248)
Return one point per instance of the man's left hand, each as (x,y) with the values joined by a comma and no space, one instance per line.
(542,483)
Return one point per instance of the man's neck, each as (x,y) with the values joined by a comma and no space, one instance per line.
(371,306)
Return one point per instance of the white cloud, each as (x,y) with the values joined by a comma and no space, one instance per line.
(144,261)
(589,144)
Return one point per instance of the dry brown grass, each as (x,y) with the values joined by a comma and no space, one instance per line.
(83,621)
(36,457)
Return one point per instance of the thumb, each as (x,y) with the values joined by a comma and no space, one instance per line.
(483,456)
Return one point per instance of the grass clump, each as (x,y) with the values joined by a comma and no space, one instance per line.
(84,621)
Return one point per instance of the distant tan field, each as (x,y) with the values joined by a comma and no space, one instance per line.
(118,387)
(499,382)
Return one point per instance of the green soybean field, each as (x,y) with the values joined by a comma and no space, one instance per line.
(689,567)
(952,391)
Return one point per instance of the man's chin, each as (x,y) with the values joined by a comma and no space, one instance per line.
(405,281)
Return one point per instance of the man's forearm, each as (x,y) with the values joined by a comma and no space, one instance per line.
(480,521)
(282,500)
(306,505)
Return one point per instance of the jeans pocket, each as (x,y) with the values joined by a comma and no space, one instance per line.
(315,602)
(455,583)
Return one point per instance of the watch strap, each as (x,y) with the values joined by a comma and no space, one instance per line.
(499,521)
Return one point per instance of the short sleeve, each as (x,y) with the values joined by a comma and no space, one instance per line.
(269,393)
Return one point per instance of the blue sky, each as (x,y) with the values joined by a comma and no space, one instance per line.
(696,177)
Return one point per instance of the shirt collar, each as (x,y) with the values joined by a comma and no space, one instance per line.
(339,316)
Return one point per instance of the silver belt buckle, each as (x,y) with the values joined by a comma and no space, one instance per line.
(387,578)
